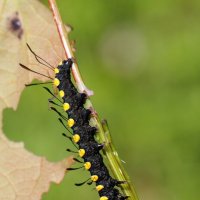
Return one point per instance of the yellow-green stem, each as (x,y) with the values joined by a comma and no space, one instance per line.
(103,135)
(111,154)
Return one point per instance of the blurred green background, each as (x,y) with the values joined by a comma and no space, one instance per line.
(142,60)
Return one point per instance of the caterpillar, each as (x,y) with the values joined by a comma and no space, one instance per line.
(83,134)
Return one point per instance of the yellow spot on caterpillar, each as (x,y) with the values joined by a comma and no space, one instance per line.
(99,187)
(61,93)
(104,198)
(94,178)
(56,82)
(87,165)
(56,70)
(81,152)
(76,138)
(66,106)
(70,122)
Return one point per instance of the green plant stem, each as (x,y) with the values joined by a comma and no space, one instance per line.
(116,164)
(103,135)
(111,154)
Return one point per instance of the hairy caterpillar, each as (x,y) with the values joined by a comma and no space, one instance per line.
(82,132)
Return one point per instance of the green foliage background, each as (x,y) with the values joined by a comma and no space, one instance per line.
(141,58)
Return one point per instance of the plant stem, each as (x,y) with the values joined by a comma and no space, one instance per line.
(103,135)
(67,48)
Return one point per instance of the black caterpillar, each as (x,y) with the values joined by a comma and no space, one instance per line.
(83,133)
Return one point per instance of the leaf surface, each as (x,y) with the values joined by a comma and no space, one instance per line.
(24,176)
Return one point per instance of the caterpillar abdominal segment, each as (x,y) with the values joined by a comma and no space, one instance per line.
(83,134)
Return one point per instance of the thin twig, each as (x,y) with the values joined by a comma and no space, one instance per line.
(103,132)
(67,47)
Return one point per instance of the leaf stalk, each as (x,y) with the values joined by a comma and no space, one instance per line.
(103,135)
